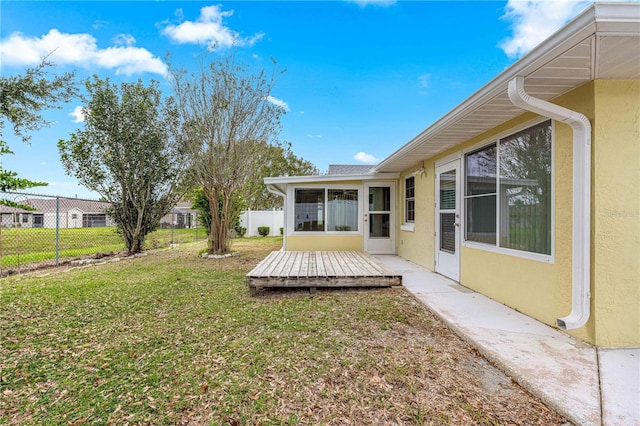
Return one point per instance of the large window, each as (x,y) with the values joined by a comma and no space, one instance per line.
(508,191)
(409,199)
(342,210)
(322,209)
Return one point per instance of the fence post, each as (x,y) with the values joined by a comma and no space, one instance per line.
(57,230)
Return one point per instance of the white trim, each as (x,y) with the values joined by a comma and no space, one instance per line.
(328,178)
(449,158)
(496,248)
(509,252)
(405,211)
(409,227)
(448,258)
(290,222)
(503,134)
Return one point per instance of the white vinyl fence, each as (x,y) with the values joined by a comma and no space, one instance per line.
(252,219)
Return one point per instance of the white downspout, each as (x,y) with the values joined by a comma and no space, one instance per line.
(277,191)
(581,271)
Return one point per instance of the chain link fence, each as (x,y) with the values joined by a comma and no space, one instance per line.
(43,230)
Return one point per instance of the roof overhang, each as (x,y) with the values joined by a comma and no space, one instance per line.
(603,42)
(280,183)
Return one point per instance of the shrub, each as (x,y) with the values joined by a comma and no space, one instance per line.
(241,230)
(263,230)
(281,231)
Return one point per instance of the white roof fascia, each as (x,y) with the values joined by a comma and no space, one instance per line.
(328,178)
(605,17)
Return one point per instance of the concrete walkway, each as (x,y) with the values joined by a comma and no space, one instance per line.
(586,385)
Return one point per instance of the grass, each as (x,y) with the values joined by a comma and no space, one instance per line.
(26,245)
(173,338)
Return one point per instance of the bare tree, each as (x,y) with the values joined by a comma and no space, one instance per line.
(226,109)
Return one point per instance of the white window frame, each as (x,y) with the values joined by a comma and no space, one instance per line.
(496,248)
(291,221)
(407,199)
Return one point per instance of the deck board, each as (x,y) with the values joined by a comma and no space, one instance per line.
(321,269)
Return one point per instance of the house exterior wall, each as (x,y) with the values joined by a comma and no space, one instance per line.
(615,265)
(537,288)
(324,242)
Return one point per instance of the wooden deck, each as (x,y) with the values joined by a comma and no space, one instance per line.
(314,269)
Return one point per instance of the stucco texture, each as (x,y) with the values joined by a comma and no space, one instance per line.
(324,242)
(616,213)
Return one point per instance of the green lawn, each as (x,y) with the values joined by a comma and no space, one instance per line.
(172,338)
(25,245)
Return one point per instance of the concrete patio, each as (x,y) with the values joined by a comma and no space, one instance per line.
(587,385)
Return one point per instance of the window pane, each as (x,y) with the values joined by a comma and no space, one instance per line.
(481,219)
(525,190)
(411,210)
(309,210)
(448,232)
(380,199)
(448,190)
(409,199)
(410,187)
(379,225)
(342,210)
(481,171)
(480,188)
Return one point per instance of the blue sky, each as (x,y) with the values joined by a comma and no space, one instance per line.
(362,77)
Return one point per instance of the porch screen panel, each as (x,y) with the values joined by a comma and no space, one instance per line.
(525,190)
(342,210)
(309,210)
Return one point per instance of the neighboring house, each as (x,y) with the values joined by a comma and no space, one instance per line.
(68,213)
(527,192)
(12,217)
(180,216)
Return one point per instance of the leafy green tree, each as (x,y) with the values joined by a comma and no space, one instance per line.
(273,160)
(23,98)
(225,109)
(130,153)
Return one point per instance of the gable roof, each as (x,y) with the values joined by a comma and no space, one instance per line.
(603,42)
(349,169)
(48,205)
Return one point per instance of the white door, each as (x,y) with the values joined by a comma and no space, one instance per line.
(448,219)
(379,221)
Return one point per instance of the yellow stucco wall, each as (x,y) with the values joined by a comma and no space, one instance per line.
(616,213)
(536,288)
(418,246)
(324,242)
(543,289)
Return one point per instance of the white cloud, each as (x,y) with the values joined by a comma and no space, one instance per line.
(278,102)
(44,163)
(363,157)
(424,80)
(535,20)
(209,29)
(314,136)
(77,114)
(365,3)
(124,40)
(80,50)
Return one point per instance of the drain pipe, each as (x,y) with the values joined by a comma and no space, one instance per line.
(277,191)
(581,234)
